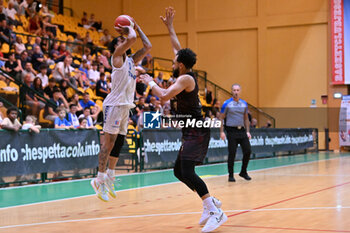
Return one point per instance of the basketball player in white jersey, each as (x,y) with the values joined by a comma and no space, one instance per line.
(116,106)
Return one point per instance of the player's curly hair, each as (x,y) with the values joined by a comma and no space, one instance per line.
(187,57)
(114,42)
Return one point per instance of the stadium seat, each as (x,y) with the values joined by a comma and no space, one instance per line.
(42,120)
(5,48)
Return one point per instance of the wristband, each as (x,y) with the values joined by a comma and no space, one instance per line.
(152,84)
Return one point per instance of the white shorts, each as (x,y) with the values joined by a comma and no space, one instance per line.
(115,119)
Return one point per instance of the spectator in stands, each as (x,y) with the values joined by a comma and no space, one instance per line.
(70,46)
(93,23)
(253,123)
(87,39)
(64,86)
(37,42)
(38,58)
(48,90)
(102,87)
(29,124)
(12,67)
(268,125)
(61,121)
(49,28)
(150,95)
(22,7)
(11,122)
(23,59)
(5,34)
(34,26)
(11,14)
(87,115)
(55,54)
(19,46)
(106,38)
(38,87)
(45,45)
(28,70)
(15,4)
(30,96)
(63,70)
(29,45)
(94,74)
(44,11)
(84,20)
(43,75)
(208,95)
(216,106)
(2,13)
(30,9)
(83,123)
(75,101)
(72,116)
(86,102)
(63,49)
(153,103)
(59,101)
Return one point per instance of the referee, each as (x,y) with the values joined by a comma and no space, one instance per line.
(234,115)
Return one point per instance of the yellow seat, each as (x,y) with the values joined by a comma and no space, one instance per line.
(99,103)
(5,48)
(2,84)
(42,120)
(70,92)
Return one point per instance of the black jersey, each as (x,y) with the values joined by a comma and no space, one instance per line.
(188,104)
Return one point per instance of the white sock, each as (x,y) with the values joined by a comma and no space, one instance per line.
(101,177)
(110,172)
(209,204)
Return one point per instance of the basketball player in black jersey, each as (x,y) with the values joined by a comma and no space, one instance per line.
(195,140)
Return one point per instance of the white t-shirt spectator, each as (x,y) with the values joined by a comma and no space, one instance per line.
(94,75)
(44,79)
(11,13)
(20,48)
(60,66)
(89,120)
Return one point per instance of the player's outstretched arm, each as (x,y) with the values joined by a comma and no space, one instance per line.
(168,21)
(147,46)
(166,94)
(127,43)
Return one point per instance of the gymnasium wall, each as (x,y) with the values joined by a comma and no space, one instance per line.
(276,49)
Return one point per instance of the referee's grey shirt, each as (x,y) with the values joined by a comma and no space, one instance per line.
(234,112)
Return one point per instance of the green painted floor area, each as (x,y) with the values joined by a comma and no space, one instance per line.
(61,190)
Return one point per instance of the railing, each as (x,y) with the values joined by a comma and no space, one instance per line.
(21,95)
(219,93)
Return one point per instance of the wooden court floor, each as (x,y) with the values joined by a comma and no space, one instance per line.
(306,197)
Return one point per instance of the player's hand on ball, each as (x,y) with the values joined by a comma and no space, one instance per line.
(145,78)
(169,16)
(123,30)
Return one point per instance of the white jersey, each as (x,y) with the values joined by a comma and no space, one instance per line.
(123,85)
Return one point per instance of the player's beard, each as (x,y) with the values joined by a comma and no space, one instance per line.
(176,73)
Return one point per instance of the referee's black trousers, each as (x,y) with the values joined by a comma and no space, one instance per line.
(237,136)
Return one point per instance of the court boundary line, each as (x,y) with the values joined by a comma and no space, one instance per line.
(156,185)
(340,155)
(166,214)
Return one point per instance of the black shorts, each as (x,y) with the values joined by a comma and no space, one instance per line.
(195,142)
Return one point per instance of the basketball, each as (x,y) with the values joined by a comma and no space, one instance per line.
(124,20)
